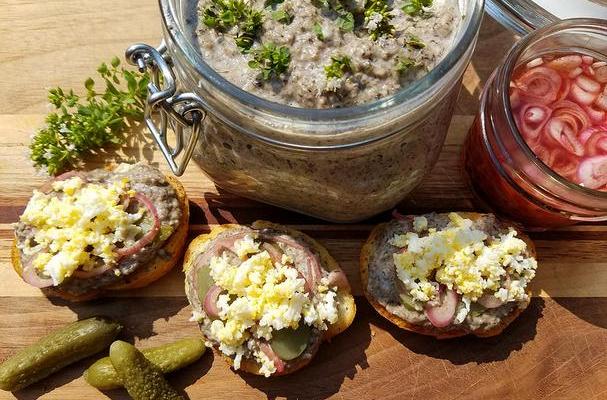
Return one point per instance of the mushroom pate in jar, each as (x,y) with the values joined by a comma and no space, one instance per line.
(277,102)
(325,53)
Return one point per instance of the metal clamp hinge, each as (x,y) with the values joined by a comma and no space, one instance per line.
(177,111)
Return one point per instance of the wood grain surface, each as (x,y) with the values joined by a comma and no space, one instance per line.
(556,350)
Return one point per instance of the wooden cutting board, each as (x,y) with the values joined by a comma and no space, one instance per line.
(556,350)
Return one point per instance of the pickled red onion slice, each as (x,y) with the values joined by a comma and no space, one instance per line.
(150,235)
(311,273)
(210,301)
(30,276)
(587,133)
(564,91)
(274,252)
(562,132)
(566,63)
(588,84)
(596,144)
(601,101)
(279,364)
(540,84)
(581,96)
(596,115)
(569,108)
(442,314)
(531,120)
(576,72)
(592,172)
(490,301)
(600,74)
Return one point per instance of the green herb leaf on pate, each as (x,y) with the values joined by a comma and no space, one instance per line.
(271,60)
(223,15)
(338,67)
(415,8)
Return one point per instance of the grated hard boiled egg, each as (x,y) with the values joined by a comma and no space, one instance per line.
(262,297)
(464,259)
(77,227)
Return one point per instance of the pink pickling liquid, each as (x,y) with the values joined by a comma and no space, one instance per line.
(560,108)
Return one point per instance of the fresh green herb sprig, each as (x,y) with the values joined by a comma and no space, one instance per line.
(345,18)
(414,42)
(248,30)
(378,15)
(79,126)
(223,15)
(338,67)
(415,8)
(282,16)
(271,60)
(406,64)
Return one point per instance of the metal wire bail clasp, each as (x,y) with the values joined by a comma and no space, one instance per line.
(179,111)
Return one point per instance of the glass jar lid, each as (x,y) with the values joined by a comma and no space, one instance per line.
(523,16)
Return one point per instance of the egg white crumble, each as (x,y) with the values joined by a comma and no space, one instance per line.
(464,259)
(78,227)
(261,296)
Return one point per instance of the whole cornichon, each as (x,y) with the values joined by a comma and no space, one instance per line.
(167,358)
(142,379)
(60,348)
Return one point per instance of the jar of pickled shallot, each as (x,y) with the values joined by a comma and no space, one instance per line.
(537,151)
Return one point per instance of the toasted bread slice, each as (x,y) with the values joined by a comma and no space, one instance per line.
(347,306)
(154,270)
(369,249)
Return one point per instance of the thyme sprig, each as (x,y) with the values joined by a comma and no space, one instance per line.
(79,126)
(271,60)
(378,15)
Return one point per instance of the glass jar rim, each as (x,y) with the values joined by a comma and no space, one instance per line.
(503,82)
(402,98)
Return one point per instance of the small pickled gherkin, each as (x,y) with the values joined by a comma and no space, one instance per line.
(60,348)
(205,281)
(142,379)
(288,344)
(167,358)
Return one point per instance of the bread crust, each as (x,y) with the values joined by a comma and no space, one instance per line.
(366,254)
(154,270)
(347,306)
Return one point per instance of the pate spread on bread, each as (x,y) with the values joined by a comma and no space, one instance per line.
(448,275)
(266,296)
(105,229)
